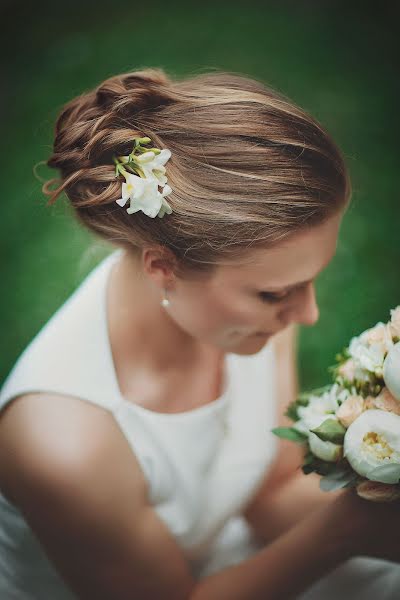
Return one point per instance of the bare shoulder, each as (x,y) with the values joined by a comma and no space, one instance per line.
(69,469)
(42,434)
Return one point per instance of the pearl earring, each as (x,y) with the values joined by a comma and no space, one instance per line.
(165,301)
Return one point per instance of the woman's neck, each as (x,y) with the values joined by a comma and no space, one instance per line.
(141,330)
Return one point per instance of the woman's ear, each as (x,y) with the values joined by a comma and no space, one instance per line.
(159,264)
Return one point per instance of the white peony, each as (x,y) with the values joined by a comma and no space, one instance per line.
(372,446)
(391,370)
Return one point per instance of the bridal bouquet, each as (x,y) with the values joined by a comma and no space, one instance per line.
(350,428)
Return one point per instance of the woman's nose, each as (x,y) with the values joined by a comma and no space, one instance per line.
(307,311)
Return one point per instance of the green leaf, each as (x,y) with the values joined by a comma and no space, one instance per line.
(289,433)
(307,469)
(301,400)
(337,480)
(309,458)
(291,411)
(330,431)
(325,468)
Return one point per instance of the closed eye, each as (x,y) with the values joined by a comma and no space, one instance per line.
(273,296)
(278,296)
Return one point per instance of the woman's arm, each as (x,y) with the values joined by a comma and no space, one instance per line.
(286,495)
(286,567)
(295,498)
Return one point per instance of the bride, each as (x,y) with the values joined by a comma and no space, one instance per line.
(136,453)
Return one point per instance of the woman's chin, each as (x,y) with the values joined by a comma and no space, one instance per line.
(254,340)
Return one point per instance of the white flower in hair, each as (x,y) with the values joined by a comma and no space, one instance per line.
(153,164)
(142,188)
(144,195)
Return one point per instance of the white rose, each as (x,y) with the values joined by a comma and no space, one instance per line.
(372,446)
(350,409)
(380,334)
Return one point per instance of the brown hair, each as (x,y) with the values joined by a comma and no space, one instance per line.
(248,166)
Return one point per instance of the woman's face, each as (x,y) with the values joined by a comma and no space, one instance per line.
(240,306)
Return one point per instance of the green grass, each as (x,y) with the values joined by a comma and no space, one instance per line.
(336,62)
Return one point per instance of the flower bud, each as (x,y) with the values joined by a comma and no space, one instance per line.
(325,450)
(378,492)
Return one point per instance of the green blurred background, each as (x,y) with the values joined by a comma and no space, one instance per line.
(334,59)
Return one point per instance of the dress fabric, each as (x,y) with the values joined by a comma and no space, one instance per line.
(198,489)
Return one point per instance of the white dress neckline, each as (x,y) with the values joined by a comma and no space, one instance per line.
(210,407)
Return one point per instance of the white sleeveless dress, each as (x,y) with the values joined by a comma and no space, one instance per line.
(198,489)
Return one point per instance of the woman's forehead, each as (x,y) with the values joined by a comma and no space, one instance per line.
(296,260)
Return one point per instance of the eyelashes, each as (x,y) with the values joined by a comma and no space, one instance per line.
(275,297)
(272,297)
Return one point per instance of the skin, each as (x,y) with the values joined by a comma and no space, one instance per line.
(218,315)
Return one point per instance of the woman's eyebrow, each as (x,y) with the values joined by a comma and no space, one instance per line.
(300,283)
(290,287)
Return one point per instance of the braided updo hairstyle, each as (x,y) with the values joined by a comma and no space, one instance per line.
(248,166)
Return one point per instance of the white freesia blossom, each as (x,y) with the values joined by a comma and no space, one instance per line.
(369,349)
(320,408)
(144,173)
(391,370)
(144,195)
(372,446)
(152,164)
(351,371)
(369,357)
